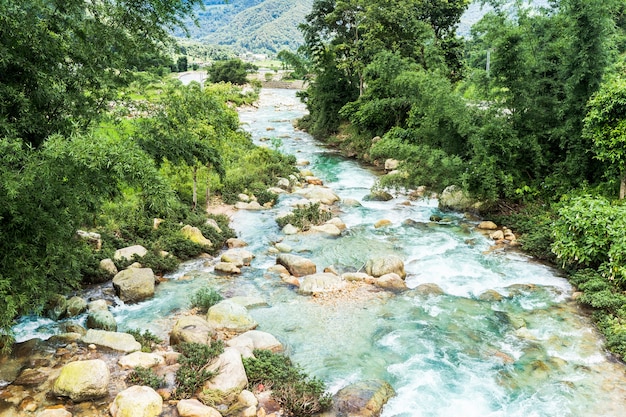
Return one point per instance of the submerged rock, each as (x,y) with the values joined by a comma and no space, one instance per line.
(83,380)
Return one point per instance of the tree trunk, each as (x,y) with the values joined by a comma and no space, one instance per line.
(194,197)
(622,186)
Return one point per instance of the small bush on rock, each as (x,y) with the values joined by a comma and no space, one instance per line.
(205,298)
(305,217)
(147,339)
(146,377)
(299,394)
(194,360)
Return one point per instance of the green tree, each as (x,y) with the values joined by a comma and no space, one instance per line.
(233,71)
(186,127)
(605,125)
(181,63)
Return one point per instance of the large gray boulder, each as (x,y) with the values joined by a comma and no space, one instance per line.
(454,198)
(320,283)
(232,374)
(191,329)
(123,342)
(137,401)
(362,399)
(227,315)
(296,265)
(379,266)
(129,252)
(134,284)
(75,306)
(327,228)
(83,380)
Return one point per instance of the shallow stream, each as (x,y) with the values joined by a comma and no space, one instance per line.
(533,353)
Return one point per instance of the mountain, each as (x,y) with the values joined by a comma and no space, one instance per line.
(266,26)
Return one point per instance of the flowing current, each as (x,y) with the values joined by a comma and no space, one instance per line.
(531,353)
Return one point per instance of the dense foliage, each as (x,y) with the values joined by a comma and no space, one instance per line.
(233,71)
(193,372)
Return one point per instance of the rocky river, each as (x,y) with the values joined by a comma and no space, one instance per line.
(470,330)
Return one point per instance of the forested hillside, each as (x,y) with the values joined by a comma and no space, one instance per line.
(252,25)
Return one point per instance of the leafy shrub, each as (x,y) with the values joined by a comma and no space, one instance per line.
(158,263)
(146,377)
(147,339)
(299,394)
(205,298)
(192,373)
(305,217)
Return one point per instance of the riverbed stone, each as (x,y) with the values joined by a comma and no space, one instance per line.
(382,223)
(227,268)
(317,193)
(497,235)
(75,306)
(134,284)
(123,342)
(338,223)
(391,282)
(327,229)
(297,266)
(278,269)
(363,399)
(129,251)
(227,315)
(378,195)
(56,306)
(83,380)
(247,342)
(194,408)
(356,276)
(351,202)
(283,247)
(383,265)
(191,329)
(391,164)
(487,225)
(32,377)
(239,257)
(101,319)
(320,283)
(195,235)
(428,289)
(233,243)
(137,401)
(232,374)
(249,301)
(143,359)
(490,295)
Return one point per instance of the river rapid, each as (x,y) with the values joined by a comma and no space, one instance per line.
(532,353)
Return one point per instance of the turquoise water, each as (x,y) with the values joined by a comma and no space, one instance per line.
(531,354)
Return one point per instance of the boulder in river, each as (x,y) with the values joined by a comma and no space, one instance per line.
(233,242)
(327,229)
(101,319)
(297,266)
(247,342)
(83,380)
(316,193)
(137,401)
(227,315)
(134,284)
(239,257)
(75,306)
(391,282)
(362,399)
(378,195)
(383,265)
(320,283)
(227,268)
(56,306)
(191,329)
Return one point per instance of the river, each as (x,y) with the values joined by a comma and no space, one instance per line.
(532,353)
